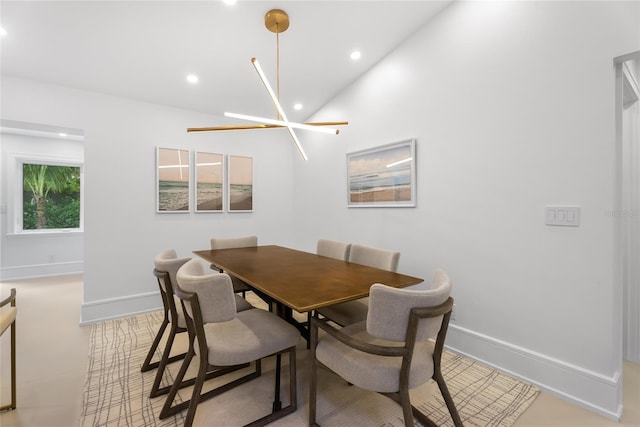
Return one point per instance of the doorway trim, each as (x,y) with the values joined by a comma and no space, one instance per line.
(627,205)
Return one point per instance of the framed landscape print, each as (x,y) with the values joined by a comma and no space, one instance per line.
(383,176)
(209,182)
(173,180)
(240,184)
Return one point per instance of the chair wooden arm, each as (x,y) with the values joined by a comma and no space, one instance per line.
(10,299)
(417,313)
(348,340)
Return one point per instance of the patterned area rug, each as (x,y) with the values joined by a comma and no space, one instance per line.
(116,392)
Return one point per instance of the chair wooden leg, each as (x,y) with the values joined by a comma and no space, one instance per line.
(453,411)
(293,400)
(12,405)
(164,361)
(195,396)
(147,365)
(167,409)
(293,381)
(13,365)
(313,378)
(277,404)
(405,402)
(313,393)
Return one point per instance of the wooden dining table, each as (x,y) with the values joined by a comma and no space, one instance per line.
(301,281)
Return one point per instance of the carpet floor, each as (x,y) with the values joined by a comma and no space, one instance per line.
(116,392)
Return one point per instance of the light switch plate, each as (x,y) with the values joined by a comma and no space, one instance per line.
(565,216)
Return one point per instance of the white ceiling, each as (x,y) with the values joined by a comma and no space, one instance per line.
(144,49)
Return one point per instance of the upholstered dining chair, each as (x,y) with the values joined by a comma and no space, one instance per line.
(350,312)
(333,249)
(8,313)
(225,340)
(166,265)
(230,243)
(397,348)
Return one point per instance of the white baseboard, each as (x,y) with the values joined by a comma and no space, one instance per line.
(114,308)
(41,270)
(591,390)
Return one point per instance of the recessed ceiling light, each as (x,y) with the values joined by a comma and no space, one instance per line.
(230,2)
(297,106)
(355,55)
(3,32)
(192,78)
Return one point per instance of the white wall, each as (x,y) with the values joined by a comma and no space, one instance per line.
(512,105)
(123,232)
(35,255)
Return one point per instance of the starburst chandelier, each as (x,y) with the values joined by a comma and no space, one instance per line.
(276,21)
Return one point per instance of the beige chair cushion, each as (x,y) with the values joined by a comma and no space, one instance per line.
(7,317)
(252,335)
(374,257)
(234,242)
(350,312)
(168,261)
(333,249)
(217,302)
(242,304)
(346,313)
(386,324)
(231,243)
(389,308)
(372,372)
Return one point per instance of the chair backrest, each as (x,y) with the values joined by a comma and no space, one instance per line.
(333,249)
(168,261)
(389,309)
(215,292)
(374,257)
(234,242)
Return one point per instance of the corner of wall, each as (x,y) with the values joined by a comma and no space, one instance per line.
(114,308)
(583,387)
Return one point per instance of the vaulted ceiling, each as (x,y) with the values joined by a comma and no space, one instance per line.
(145,49)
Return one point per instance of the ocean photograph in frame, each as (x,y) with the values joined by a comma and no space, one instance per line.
(383,176)
(240,183)
(173,184)
(209,188)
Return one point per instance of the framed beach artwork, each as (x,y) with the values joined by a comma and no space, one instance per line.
(173,180)
(209,174)
(240,183)
(383,176)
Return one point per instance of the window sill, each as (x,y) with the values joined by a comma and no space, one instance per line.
(47,233)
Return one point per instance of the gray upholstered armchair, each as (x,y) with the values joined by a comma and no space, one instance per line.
(225,340)
(333,249)
(235,242)
(350,312)
(167,263)
(397,348)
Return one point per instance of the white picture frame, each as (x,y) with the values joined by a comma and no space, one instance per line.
(173,180)
(383,176)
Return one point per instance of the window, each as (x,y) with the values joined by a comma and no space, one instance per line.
(48,195)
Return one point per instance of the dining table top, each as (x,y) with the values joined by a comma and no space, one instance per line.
(302,281)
